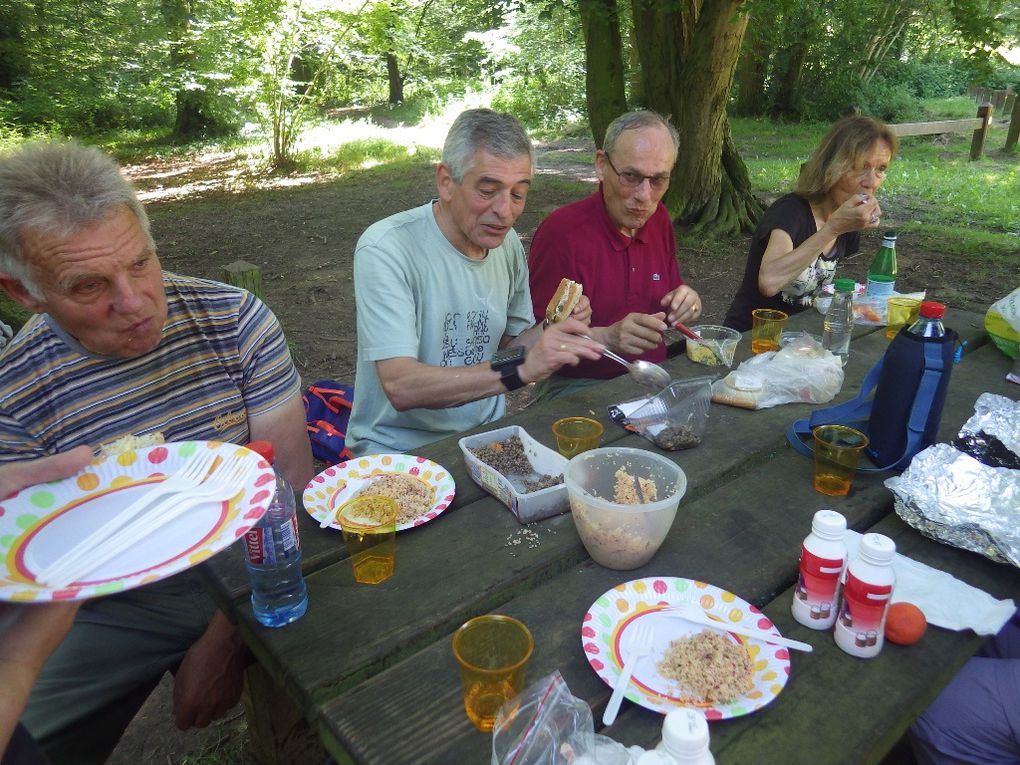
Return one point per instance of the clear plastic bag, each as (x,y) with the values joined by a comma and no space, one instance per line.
(676,417)
(802,371)
(547,725)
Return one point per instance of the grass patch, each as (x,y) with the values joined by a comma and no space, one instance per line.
(11,313)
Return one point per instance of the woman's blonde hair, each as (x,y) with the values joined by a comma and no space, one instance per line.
(839,152)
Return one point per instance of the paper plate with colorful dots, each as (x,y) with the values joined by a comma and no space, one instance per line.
(619,609)
(325,493)
(42,522)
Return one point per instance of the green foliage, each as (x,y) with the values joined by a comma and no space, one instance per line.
(539,66)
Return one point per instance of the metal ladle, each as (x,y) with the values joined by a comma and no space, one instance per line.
(645,373)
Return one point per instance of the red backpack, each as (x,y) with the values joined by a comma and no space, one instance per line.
(327,412)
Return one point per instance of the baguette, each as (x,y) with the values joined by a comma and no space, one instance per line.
(563,301)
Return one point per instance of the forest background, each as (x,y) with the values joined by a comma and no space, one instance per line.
(276,131)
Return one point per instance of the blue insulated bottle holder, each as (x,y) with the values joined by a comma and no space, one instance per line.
(910,383)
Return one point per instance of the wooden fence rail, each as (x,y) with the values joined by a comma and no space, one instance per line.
(978,124)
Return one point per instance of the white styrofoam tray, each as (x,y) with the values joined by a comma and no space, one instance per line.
(529,507)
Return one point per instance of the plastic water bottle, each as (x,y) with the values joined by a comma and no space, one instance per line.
(929,321)
(838,326)
(882,271)
(273,552)
(822,559)
(867,592)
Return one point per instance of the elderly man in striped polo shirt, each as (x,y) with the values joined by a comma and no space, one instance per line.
(119,347)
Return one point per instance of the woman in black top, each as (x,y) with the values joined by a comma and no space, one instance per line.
(802,236)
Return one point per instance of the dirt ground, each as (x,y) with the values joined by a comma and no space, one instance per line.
(301,232)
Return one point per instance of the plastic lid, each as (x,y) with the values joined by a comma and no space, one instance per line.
(828,524)
(932,310)
(878,548)
(263,449)
(844,285)
(889,235)
(685,732)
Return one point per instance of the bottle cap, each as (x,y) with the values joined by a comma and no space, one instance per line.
(889,235)
(685,732)
(931,310)
(263,448)
(844,285)
(877,547)
(829,524)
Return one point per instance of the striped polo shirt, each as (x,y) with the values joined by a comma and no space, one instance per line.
(222,358)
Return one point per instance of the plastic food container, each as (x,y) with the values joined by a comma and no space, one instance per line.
(675,418)
(622,535)
(510,490)
(722,339)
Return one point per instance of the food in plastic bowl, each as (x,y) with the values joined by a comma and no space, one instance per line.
(620,527)
(723,339)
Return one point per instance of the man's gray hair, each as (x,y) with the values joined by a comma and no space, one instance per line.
(474,130)
(635,121)
(57,188)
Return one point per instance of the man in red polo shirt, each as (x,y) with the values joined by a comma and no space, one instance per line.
(619,244)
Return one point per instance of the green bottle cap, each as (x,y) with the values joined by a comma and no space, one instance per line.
(844,285)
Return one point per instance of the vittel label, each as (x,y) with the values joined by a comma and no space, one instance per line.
(258,546)
(814,602)
(859,628)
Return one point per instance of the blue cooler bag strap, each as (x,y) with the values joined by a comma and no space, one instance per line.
(934,366)
(854,411)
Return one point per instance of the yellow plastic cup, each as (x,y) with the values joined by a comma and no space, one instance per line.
(902,311)
(837,451)
(492,651)
(576,434)
(766,329)
(369,527)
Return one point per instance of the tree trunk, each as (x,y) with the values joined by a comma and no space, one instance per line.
(751,70)
(192,105)
(604,83)
(396,79)
(786,102)
(688,56)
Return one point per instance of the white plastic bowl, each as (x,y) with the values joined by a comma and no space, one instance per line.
(622,536)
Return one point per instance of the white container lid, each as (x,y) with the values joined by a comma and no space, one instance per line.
(685,733)
(829,524)
(877,547)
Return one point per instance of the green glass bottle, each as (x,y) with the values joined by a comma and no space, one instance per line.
(882,271)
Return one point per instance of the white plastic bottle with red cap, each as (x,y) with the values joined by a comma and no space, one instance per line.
(866,594)
(823,557)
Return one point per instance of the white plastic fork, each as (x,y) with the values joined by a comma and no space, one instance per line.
(194,474)
(694,613)
(639,642)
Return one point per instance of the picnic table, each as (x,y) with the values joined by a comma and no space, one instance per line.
(370,668)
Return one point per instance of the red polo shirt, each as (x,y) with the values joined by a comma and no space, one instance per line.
(620,274)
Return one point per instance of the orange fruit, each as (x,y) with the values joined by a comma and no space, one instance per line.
(905,623)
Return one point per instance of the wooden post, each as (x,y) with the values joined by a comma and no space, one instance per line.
(984,113)
(1014,125)
(246,275)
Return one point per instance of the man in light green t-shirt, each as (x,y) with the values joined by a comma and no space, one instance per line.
(445,323)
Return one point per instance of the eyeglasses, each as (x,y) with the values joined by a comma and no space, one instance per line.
(633,180)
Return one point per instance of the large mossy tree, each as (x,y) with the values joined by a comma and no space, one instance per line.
(687,51)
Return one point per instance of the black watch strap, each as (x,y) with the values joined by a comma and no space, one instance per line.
(510,379)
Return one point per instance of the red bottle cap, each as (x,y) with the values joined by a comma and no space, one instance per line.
(932,310)
(263,449)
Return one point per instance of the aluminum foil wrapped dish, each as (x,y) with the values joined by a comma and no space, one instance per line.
(969,497)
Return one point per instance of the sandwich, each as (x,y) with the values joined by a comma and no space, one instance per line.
(563,301)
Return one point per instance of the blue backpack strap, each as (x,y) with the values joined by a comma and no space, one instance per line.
(853,411)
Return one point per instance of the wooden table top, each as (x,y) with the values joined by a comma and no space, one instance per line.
(372,666)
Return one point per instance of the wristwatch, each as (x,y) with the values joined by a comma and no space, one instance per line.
(505,361)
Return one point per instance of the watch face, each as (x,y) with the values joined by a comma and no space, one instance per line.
(507,357)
